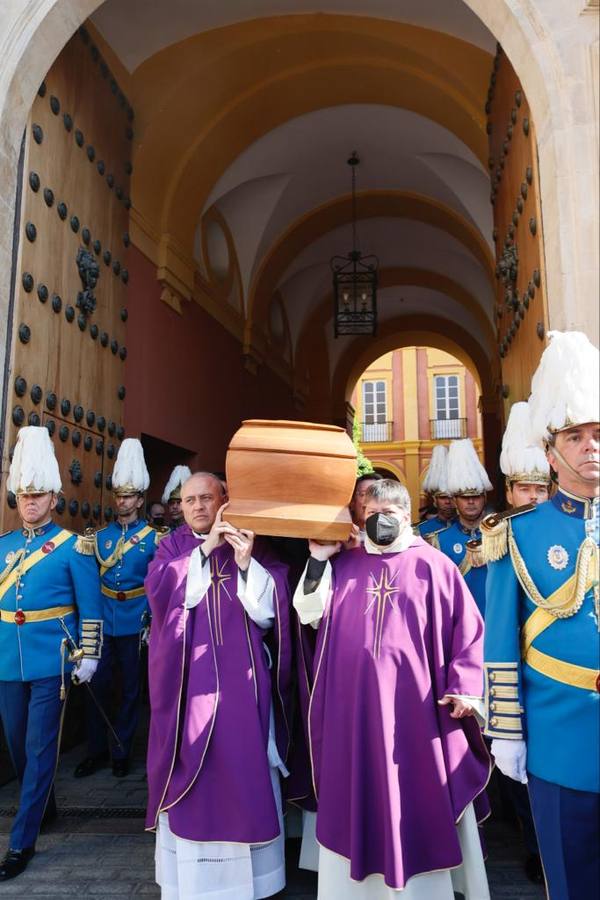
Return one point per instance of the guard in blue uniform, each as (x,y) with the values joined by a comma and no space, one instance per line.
(48,584)
(124,549)
(468,483)
(435,484)
(171,497)
(527,482)
(542,644)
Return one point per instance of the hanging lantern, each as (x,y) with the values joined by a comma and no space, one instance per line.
(354,282)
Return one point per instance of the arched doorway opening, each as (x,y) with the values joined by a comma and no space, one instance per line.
(408,400)
(231,225)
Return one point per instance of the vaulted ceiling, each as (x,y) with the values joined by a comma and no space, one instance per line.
(246,113)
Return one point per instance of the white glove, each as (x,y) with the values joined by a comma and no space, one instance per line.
(85,670)
(511,758)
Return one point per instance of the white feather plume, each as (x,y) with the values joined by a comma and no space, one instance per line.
(519,455)
(465,472)
(436,477)
(565,389)
(34,463)
(176,479)
(130,467)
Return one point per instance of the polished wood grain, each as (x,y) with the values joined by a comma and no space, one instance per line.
(291,479)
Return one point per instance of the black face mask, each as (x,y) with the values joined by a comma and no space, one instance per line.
(381,529)
(158,520)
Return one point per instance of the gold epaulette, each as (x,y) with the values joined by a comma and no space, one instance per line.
(475,554)
(86,542)
(494,533)
(432,538)
(161,531)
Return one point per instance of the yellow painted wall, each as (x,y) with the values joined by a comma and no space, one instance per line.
(408,459)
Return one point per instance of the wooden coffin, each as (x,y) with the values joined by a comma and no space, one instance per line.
(291,479)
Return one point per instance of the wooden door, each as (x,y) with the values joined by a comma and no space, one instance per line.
(70,306)
(521,307)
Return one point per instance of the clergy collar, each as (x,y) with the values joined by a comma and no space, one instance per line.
(405,539)
(574,506)
(37,532)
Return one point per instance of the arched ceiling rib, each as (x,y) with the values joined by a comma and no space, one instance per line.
(216,94)
(396,242)
(252,119)
(140,28)
(415,330)
(379,205)
(397,284)
(312,151)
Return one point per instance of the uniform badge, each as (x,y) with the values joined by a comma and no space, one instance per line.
(48,547)
(558,557)
(458,548)
(568,507)
(9,557)
(108,544)
(135,539)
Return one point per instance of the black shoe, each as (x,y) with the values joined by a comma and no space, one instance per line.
(120,768)
(90,765)
(15,862)
(533,868)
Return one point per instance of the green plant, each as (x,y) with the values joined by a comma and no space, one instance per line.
(364,465)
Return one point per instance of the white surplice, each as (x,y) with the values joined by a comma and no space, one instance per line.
(214,870)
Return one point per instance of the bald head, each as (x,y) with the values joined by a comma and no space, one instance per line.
(201,496)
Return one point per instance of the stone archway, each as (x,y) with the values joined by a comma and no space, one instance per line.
(537,39)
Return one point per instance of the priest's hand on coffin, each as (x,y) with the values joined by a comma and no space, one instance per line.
(353,542)
(217,533)
(460,708)
(324,550)
(242,542)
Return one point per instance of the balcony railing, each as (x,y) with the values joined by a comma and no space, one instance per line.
(447,429)
(376,432)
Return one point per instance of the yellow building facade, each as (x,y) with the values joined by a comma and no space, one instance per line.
(408,401)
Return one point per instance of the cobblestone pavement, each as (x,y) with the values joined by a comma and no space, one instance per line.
(97,847)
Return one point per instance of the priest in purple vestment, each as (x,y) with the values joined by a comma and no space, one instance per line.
(219,665)
(396,751)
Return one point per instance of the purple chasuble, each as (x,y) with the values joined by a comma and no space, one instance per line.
(210,695)
(393,772)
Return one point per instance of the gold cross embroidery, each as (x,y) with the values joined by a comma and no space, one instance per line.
(382,594)
(218,579)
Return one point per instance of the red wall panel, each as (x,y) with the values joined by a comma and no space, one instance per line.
(186,382)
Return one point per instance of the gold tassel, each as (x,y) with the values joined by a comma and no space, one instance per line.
(494,541)
(475,554)
(115,557)
(86,542)
(18,556)
(63,650)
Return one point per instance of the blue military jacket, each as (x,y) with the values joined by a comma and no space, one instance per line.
(453,542)
(123,592)
(43,575)
(542,669)
(427,526)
